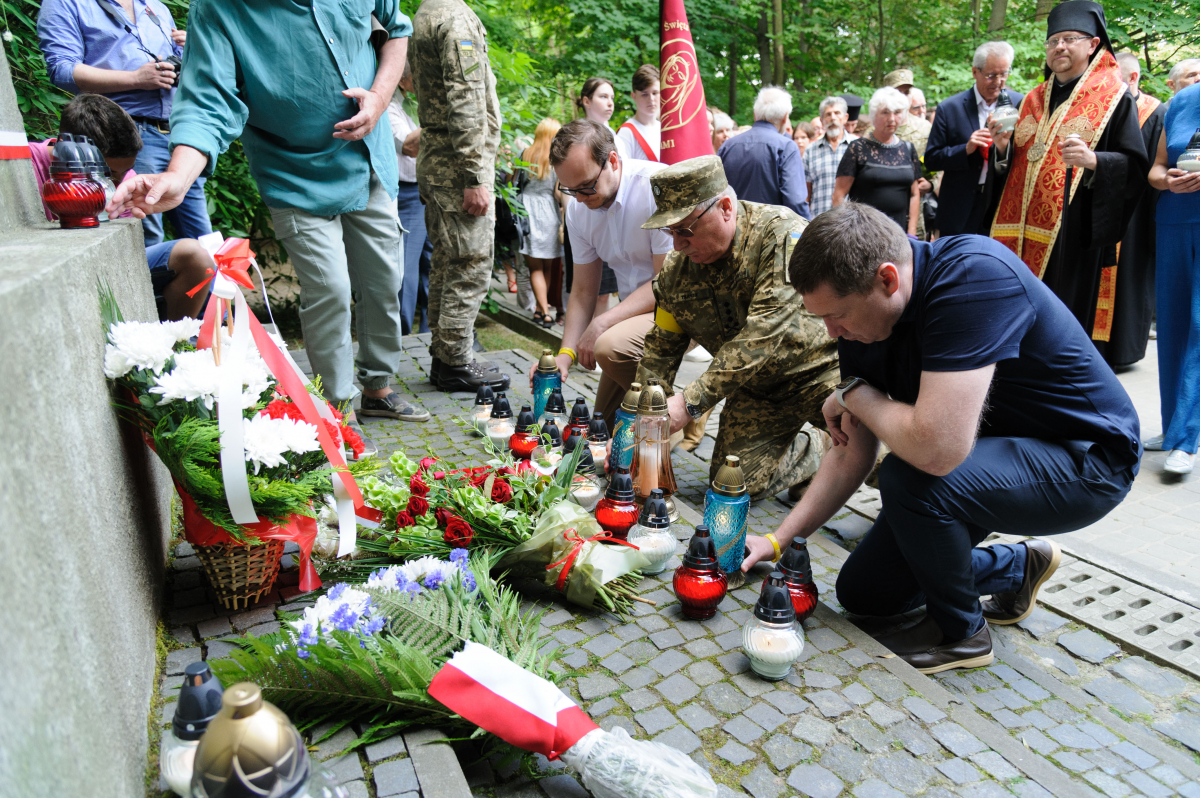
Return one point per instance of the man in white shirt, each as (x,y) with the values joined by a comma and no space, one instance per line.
(638,138)
(613,200)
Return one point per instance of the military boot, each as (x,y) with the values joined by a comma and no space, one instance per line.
(468,377)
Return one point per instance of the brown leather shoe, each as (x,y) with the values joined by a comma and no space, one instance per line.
(1040,564)
(921,636)
(974,652)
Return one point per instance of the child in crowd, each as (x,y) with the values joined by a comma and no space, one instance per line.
(175,266)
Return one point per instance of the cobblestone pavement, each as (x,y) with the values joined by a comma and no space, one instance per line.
(1064,711)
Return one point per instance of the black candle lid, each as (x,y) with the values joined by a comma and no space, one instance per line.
(199,702)
(484,395)
(555,403)
(579,411)
(500,407)
(587,465)
(69,155)
(1194,144)
(551,428)
(701,552)
(597,429)
(775,603)
(1003,100)
(654,511)
(526,421)
(795,563)
(620,487)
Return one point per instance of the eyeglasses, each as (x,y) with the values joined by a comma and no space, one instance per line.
(991,76)
(920,107)
(586,190)
(687,232)
(1052,44)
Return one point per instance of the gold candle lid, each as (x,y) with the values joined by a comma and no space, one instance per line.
(630,403)
(250,748)
(730,481)
(546,363)
(653,400)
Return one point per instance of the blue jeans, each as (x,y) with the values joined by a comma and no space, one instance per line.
(922,548)
(417,250)
(1177,295)
(190,217)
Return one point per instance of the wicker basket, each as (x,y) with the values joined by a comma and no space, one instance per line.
(239,575)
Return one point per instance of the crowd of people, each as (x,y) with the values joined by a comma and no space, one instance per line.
(952,284)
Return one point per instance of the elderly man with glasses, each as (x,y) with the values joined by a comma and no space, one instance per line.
(612,200)
(961,145)
(726,287)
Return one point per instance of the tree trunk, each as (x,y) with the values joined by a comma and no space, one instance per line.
(999,13)
(733,75)
(777,21)
(879,49)
(975,8)
(1043,9)
(765,72)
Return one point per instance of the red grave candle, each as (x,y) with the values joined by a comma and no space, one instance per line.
(797,575)
(616,512)
(699,583)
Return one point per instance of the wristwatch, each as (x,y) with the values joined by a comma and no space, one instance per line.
(846,387)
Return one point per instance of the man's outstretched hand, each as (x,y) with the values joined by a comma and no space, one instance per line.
(145,195)
(761,550)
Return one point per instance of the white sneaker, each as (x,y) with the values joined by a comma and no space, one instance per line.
(1179,462)
(1154,444)
(698,355)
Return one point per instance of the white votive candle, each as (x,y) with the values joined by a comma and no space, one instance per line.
(499,434)
(771,651)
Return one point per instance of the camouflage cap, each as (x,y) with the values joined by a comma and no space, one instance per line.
(898,77)
(679,188)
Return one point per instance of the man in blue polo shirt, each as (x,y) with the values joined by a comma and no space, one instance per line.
(999,413)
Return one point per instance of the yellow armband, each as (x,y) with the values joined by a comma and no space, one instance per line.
(665,320)
(775,545)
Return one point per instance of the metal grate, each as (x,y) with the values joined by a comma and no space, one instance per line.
(1158,625)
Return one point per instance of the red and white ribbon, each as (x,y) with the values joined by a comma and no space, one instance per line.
(13,146)
(503,698)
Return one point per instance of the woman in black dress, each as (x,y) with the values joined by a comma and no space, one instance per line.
(879,169)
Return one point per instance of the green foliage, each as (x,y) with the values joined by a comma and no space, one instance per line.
(383,685)
(39,100)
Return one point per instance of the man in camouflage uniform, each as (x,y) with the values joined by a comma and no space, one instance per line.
(726,286)
(460,130)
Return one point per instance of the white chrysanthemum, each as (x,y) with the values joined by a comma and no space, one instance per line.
(137,344)
(184,328)
(268,439)
(196,376)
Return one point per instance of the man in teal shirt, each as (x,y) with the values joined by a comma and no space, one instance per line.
(297,80)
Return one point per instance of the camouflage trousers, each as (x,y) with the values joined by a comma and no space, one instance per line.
(460,269)
(770,437)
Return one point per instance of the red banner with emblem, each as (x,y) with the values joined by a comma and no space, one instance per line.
(684,123)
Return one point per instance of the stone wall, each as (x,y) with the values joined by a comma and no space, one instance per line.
(84,515)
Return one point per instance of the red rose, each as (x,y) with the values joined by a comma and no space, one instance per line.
(404,519)
(417,506)
(417,486)
(458,532)
(501,491)
(443,516)
(426,463)
(439,474)
(524,466)
(478,479)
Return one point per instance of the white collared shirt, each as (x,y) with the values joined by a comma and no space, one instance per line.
(629,148)
(402,125)
(985,110)
(615,235)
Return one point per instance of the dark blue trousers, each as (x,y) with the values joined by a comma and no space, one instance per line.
(922,548)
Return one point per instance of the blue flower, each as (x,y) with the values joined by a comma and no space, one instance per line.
(336,592)
(303,653)
(344,618)
(459,557)
(412,588)
(308,635)
(434,581)
(468,581)
(373,626)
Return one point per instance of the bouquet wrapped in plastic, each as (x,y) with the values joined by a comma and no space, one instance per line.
(569,552)
(531,713)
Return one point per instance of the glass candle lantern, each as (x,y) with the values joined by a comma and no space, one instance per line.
(70,194)
(699,583)
(796,568)
(726,505)
(770,639)
(97,169)
(1006,113)
(1189,159)
(500,426)
(482,410)
(579,417)
(597,436)
(652,533)
(525,438)
(545,380)
(585,488)
(616,512)
(651,466)
(199,702)
(555,410)
(621,453)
